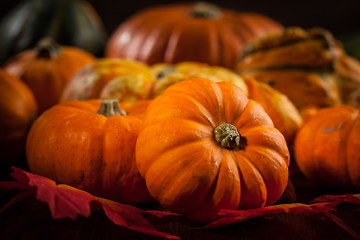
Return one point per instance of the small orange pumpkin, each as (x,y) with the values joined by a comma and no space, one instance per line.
(18,110)
(204,146)
(199,32)
(327,148)
(90,146)
(47,69)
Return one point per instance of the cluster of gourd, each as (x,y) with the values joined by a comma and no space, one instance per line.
(174,113)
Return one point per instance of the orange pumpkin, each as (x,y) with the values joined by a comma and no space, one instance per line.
(47,69)
(90,146)
(198,32)
(281,110)
(205,146)
(125,80)
(327,148)
(18,110)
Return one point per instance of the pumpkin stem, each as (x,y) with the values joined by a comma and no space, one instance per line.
(205,10)
(110,107)
(227,136)
(48,48)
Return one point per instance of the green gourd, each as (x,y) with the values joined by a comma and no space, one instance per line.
(68,22)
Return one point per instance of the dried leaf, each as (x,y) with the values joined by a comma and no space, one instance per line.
(68,202)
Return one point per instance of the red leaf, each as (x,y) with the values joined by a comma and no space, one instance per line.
(68,202)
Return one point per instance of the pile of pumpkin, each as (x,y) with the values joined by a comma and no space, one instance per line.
(199,113)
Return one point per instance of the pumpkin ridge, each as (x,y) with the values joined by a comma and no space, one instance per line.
(238,159)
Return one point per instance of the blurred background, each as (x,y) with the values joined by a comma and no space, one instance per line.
(339,17)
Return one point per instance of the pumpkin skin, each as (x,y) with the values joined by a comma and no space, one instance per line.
(192,32)
(168,74)
(282,111)
(18,110)
(327,148)
(47,69)
(73,144)
(68,22)
(309,66)
(125,80)
(186,170)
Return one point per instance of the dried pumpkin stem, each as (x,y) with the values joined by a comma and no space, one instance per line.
(205,10)
(110,107)
(48,48)
(227,136)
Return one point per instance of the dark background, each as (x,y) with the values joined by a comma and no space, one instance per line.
(339,17)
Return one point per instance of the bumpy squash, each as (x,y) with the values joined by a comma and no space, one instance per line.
(168,74)
(125,80)
(199,32)
(309,66)
(205,146)
(47,69)
(89,145)
(327,148)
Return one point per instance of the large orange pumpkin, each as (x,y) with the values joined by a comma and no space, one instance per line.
(18,110)
(327,148)
(205,146)
(125,80)
(90,146)
(198,32)
(47,69)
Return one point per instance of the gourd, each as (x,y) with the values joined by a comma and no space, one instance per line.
(309,66)
(18,110)
(68,22)
(199,32)
(89,145)
(122,79)
(47,69)
(204,146)
(327,148)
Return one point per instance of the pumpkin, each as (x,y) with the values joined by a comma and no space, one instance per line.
(309,66)
(327,148)
(68,22)
(168,74)
(204,146)
(47,69)
(18,110)
(125,80)
(282,111)
(199,32)
(89,145)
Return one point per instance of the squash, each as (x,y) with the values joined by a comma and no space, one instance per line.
(18,110)
(327,148)
(89,145)
(168,74)
(125,80)
(47,69)
(309,66)
(282,111)
(199,32)
(204,146)
(68,22)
